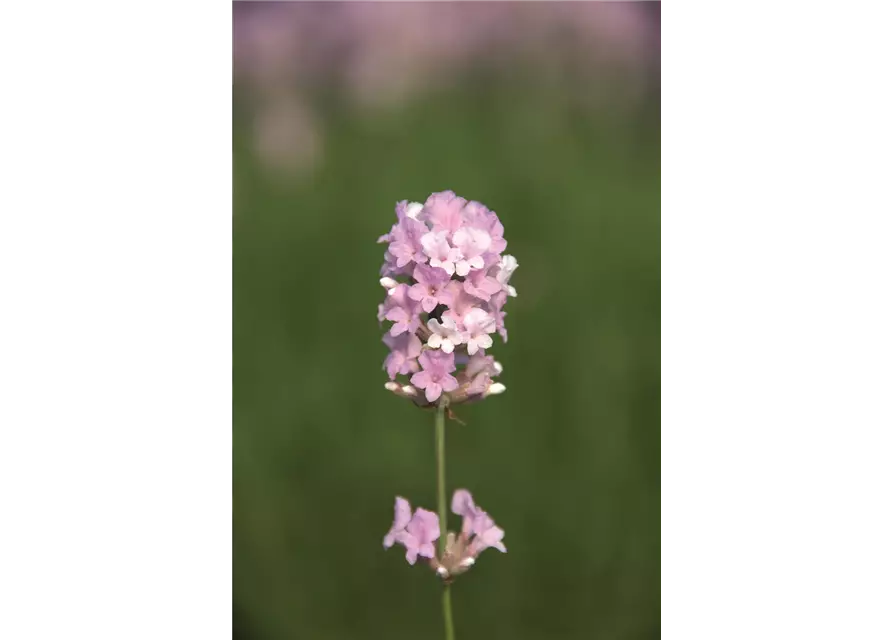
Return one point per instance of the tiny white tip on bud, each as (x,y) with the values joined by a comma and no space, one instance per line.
(391,386)
(413,209)
(388,283)
(467,562)
(442,572)
(409,390)
(498,366)
(495,389)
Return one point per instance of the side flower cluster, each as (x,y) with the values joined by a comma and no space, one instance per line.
(418,531)
(447,281)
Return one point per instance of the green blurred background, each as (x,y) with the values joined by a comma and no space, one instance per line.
(565,147)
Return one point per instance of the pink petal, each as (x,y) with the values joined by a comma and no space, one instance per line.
(398,328)
(490,286)
(425,360)
(402,512)
(421,379)
(498,245)
(444,297)
(414,348)
(449,383)
(467,525)
(418,292)
(462,503)
(432,391)
(428,304)
(430,524)
(397,314)
(392,365)
(388,541)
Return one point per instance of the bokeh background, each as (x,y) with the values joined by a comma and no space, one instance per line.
(550,115)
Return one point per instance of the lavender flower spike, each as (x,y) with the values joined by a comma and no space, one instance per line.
(446,280)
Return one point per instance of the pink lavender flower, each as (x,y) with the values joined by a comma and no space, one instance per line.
(462,303)
(406,237)
(478,527)
(405,348)
(496,304)
(478,324)
(402,311)
(478,216)
(463,505)
(480,384)
(435,376)
(445,211)
(431,287)
(420,534)
(436,246)
(397,297)
(390,265)
(472,244)
(506,268)
(481,285)
(417,533)
(444,334)
(447,280)
(487,535)
(480,363)
(476,379)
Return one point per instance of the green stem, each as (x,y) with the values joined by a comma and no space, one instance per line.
(447,613)
(440,440)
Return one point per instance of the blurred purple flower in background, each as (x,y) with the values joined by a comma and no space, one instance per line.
(385,54)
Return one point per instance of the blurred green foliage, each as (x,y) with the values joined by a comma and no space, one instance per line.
(567,460)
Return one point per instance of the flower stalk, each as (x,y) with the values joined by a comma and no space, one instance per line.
(446,280)
(440,446)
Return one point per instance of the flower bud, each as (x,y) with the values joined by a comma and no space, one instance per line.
(495,389)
